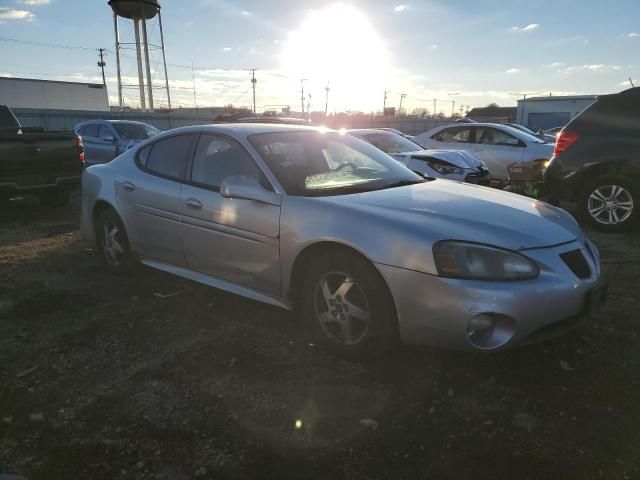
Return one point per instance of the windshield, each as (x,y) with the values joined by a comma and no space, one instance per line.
(315,163)
(523,135)
(135,131)
(390,142)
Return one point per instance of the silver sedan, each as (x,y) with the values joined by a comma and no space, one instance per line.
(368,251)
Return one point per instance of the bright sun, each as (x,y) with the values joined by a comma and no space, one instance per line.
(337,45)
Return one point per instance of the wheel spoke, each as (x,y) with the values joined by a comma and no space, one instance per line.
(597,195)
(117,247)
(610,216)
(596,211)
(326,317)
(356,312)
(615,191)
(614,214)
(344,287)
(114,231)
(326,293)
(345,326)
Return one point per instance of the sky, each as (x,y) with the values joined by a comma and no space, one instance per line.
(471,52)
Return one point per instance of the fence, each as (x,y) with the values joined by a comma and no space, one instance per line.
(67,119)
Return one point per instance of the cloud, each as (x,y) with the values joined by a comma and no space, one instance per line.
(36,2)
(594,66)
(553,65)
(512,71)
(633,35)
(7,14)
(434,46)
(526,28)
(245,12)
(227,49)
(400,8)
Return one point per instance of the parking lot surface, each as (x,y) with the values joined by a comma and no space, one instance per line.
(151,376)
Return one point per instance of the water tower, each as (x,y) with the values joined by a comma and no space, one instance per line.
(139,11)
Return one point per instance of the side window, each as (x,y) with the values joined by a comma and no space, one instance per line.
(493,136)
(219,157)
(143,155)
(104,131)
(168,157)
(455,135)
(91,130)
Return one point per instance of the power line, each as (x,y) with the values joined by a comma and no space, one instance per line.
(44,44)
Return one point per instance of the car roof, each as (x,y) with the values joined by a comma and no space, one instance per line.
(246,129)
(100,120)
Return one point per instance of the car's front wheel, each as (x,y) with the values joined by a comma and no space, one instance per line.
(348,306)
(112,242)
(611,203)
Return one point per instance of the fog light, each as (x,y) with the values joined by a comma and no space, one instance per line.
(489,330)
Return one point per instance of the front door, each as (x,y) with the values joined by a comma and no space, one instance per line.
(231,239)
(150,193)
(497,149)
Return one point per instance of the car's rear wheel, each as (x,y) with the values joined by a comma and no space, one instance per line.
(348,306)
(112,242)
(55,199)
(611,203)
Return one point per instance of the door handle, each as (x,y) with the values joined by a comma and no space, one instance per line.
(194,204)
(128,186)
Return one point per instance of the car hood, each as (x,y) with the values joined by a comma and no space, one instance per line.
(458,158)
(445,209)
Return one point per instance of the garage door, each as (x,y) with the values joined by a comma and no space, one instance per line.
(548,120)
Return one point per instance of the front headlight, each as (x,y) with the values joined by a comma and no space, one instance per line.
(444,169)
(455,259)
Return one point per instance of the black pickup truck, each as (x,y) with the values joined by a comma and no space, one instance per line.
(34,162)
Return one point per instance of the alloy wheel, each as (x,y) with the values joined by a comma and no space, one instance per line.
(610,204)
(111,245)
(342,308)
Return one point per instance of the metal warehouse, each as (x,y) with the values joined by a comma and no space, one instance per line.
(550,112)
(50,94)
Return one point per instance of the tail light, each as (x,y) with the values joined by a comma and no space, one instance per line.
(80,147)
(565,139)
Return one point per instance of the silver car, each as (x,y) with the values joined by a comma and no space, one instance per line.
(367,250)
(450,164)
(104,140)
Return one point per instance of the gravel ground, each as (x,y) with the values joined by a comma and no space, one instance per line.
(101,378)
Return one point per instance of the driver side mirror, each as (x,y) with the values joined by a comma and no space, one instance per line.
(242,187)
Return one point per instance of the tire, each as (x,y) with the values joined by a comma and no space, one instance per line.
(56,199)
(112,243)
(611,204)
(360,323)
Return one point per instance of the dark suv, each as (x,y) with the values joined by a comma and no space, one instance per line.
(596,162)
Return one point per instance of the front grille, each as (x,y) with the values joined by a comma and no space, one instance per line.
(577,263)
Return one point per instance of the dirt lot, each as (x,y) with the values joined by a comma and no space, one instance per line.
(101,378)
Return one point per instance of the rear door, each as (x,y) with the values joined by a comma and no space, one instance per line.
(151,195)
(497,148)
(235,240)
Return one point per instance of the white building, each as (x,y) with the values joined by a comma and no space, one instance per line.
(50,94)
(549,112)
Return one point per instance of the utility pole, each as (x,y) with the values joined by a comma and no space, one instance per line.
(434,107)
(193,83)
(631,82)
(326,100)
(402,96)
(253,85)
(309,106)
(101,64)
(384,104)
(302,95)
(453,107)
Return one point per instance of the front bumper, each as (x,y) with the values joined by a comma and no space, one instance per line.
(436,311)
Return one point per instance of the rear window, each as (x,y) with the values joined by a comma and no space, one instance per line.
(168,157)
(134,131)
(91,130)
(615,113)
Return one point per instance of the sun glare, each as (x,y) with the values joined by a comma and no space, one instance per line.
(337,46)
